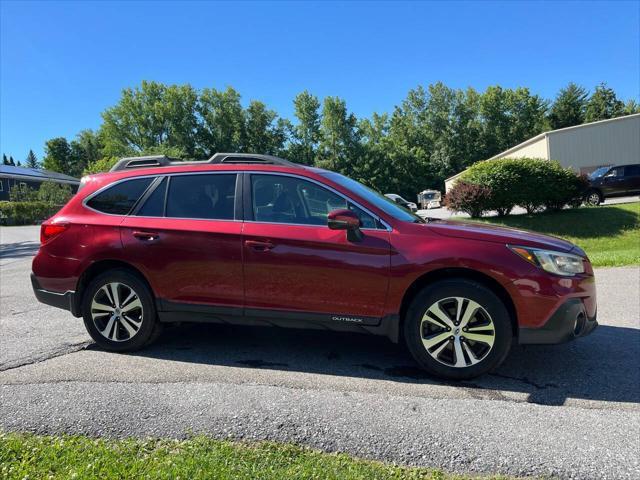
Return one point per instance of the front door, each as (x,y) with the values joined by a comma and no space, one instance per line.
(189,245)
(294,263)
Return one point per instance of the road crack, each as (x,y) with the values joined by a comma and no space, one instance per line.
(43,357)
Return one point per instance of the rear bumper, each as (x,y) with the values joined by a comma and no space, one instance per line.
(65,300)
(568,322)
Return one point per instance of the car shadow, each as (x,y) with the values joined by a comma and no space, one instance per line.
(603,366)
(19,249)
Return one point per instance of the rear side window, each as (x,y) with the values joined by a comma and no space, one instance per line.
(121,197)
(206,196)
(154,205)
(632,170)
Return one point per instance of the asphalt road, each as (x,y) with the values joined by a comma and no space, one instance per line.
(570,411)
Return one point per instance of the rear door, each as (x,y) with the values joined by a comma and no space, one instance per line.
(632,179)
(186,237)
(293,262)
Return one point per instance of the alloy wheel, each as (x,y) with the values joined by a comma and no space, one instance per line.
(593,199)
(457,332)
(116,311)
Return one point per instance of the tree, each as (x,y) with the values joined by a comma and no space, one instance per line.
(264,132)
(86,148)
(221,128)
(338,136)
(631,107)
(11,162)
(603,104)
(151,116)
(5,160)
(58,156)
(306,134)
(32,160)
(568,109)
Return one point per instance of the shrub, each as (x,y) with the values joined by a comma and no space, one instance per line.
(531,183)
(26,213)
(54,193)
(469,198)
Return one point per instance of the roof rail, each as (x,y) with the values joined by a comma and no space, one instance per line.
(165,161)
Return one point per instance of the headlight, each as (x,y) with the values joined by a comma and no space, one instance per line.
(559,263)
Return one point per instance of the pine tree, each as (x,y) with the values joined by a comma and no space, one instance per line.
(11,162)
(4,159)
(32,160)
(603,104)
(569,107)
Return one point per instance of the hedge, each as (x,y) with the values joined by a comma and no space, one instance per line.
(531,183)
(26,213)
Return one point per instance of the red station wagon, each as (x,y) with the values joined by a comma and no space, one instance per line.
(254,239)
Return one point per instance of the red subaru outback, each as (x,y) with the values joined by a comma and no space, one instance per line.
(256,239)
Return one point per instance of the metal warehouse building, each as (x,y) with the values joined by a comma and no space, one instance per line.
(584,147)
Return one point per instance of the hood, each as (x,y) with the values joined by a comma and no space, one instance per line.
(494,233)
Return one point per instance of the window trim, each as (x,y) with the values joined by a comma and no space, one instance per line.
(248,203)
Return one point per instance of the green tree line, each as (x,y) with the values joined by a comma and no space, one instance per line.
(435,132)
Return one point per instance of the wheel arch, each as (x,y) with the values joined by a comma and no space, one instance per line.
(96,269)
(464,273)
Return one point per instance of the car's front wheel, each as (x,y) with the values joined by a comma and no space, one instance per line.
(119,312)
(593,197)
(458,329)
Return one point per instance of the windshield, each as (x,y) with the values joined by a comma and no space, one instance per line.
(598,172)
(383,203)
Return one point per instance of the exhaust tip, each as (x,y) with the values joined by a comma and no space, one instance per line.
(579,324)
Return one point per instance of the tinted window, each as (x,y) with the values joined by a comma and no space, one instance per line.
(383,203)
(281,199)
(119,199)
(210,196)
(632,170)
(154,205)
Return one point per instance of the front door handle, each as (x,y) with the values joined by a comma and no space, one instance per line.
(260,246)
(146,236)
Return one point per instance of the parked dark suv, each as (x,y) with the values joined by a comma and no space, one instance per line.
(256,239)
(615,181)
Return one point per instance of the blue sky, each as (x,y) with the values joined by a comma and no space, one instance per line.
(63,63)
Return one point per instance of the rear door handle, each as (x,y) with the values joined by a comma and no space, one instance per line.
(146,236)
(258,245)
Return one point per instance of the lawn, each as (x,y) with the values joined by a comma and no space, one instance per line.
(31,456)
(609,234)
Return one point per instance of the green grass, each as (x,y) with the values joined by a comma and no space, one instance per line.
(68,457)
(609,234)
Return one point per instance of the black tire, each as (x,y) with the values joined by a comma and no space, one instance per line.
(149,327)
(593,197)
(444,294)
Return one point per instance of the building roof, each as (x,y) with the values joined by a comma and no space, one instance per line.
(36,174)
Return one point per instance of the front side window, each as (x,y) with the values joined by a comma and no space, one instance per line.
(121,197)
(206,196)
(282,199)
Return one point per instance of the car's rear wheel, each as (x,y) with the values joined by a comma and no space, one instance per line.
(458,329)
(593,197)
(119,312)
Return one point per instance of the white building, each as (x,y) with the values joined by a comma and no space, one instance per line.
(584,147)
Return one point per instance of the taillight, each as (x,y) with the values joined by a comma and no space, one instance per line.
(51,230)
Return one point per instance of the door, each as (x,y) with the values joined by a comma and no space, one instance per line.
(613,183)
(632,179)
(294,263)
(187,240)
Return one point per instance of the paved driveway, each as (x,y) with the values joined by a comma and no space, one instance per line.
(570,410)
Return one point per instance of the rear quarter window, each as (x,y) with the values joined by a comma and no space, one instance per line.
(120,198)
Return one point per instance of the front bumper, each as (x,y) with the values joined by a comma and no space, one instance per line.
(64,300)
(568,322)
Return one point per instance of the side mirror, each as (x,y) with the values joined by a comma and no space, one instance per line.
(343,219)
